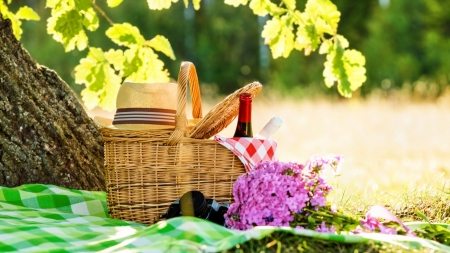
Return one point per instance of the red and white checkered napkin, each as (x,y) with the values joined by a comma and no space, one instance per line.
(250,150)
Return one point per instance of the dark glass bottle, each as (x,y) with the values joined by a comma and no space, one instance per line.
(244,125)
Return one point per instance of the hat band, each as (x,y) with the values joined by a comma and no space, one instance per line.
(150,116)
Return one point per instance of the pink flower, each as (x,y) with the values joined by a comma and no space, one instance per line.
(324,229)
(274,191)
(334,208)
(318,199)
(370,223)
(387,230)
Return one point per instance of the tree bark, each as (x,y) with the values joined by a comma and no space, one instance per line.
(46,136)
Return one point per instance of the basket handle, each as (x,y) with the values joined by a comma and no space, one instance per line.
(187,73)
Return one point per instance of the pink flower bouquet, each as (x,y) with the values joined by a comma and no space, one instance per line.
(279,194)
(291,194)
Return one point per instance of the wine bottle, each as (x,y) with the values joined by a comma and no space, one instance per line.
(244,125)
(274,123)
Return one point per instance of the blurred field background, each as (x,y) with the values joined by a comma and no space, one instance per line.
(394,133)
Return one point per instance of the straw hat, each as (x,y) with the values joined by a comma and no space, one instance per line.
(142,106)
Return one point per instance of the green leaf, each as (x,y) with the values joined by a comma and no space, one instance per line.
(66,28)
(60,6)
(151,69)
(15,22)
(101,81)
(441,229)
(115,58)
(97,54)
(354,63)
(113,3)
(125,35)
(82,40)
(422,216)
(160,4)
(67,22)
(27,13)
(24,12)
(88,72)
(328,73)
(98,78)
(236,3)
(346,67)
(154,67)
(290,4)
(259,7)
(52,3)
(161,44)
(263,7)
(322,26)
(82,5)
(279,36)
(311,220)
(90,19)
(110,89)
(90,98)
(324,15)
(84,71)
(16,26)
(3,7)
(196,4)
(133,61)
(271,33)
(271,29)
(343,42)
(325,47)
(307,39)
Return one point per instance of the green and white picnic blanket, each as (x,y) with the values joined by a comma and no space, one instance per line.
(47,218)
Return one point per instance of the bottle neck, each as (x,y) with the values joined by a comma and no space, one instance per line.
(245,111)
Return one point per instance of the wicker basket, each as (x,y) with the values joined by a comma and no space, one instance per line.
(147,170)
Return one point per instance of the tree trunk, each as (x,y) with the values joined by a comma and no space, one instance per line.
(46,136)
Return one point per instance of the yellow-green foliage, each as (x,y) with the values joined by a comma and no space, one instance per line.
(102,71)
(24,13)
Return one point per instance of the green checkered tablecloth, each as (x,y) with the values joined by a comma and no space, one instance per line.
(47,218)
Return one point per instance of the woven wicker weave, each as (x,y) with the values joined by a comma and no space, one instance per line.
(147,170)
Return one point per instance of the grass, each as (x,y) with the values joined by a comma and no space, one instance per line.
(282,242)
(397,154)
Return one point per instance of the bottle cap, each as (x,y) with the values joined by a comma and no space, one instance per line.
(245,97)
(270,128)
(276,121)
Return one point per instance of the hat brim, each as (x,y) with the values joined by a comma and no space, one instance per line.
(108,123)
(103,122)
